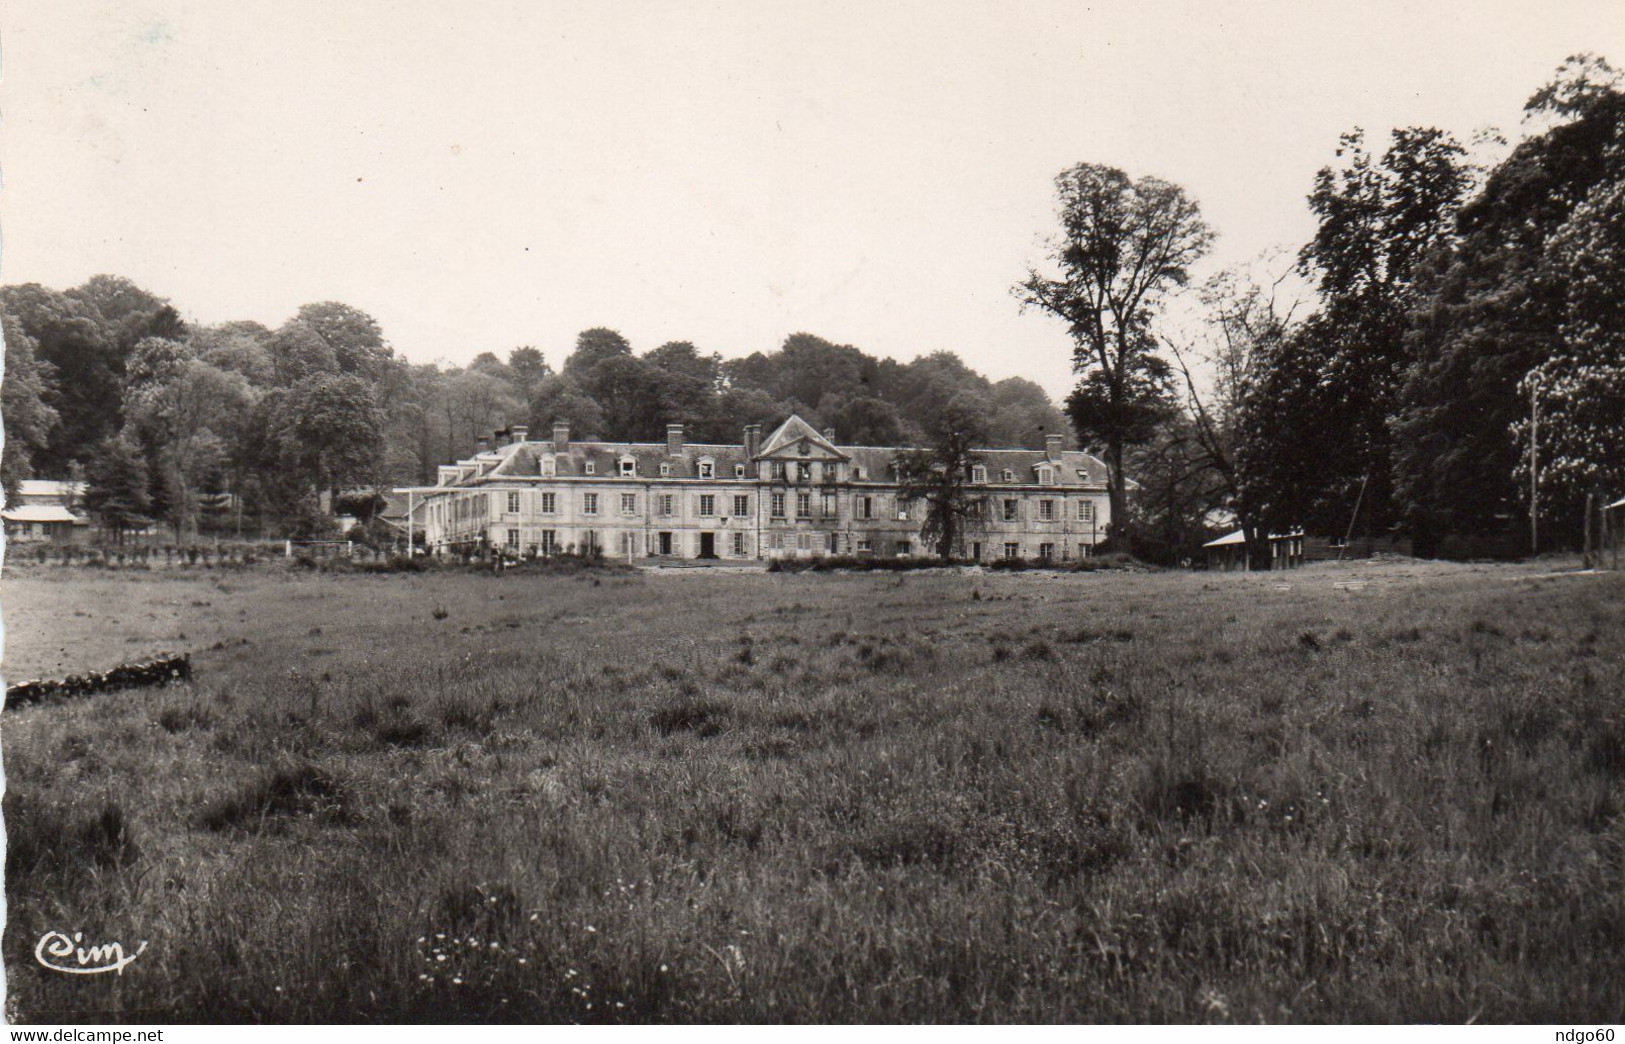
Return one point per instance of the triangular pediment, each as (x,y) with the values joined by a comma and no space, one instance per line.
(795,439)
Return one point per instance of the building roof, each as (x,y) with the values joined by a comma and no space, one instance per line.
(41,513)
(1240,537)
(35,488)
(524,459)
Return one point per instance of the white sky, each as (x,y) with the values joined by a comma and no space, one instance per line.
(479,175)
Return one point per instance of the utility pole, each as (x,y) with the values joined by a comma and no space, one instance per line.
(1534,467)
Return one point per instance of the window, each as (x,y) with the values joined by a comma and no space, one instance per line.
(1046,552)
(775,541)
(904,548)
(550,467)
(865,547)
(1012,550)
(857,472)
(741,506)
(978,473)
(1046,510)
(513,539)
(667,504)
(804,505)
(665,471)
(739,544)
(835,543)
(779,473)
(708,469)
(1083,550)
(550,503)
(589,503)
(864,506)
(1046,476)
(550,541)
(708,505)
(803,540)
(1012,510)
(590,468)
(805,448)
(1086,511)
(1009,476)
(739,471)
(778,505)
(629,503)
(829,505)
(629,544)
(629,466)
(902,509)
(513,503)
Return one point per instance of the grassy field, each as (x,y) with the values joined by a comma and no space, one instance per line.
(712,797)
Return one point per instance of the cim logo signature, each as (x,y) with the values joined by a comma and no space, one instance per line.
(61,954)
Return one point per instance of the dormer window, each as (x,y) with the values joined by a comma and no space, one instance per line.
(665,470)
(708,469)
(629,466)
(1009,476)
(978,473)
(739,471)
(550,467)
(779,471)
(857,472)
(591,468)
(1046,476)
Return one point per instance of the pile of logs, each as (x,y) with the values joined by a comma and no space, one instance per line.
(161,671)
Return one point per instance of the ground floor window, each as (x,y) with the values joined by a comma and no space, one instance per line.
(1046,552)
(739,544)
(803,541)
(904,548)
(1083,550)
(1012,550)
(976,551)
(629,543)
(513,540)
(550,541)
(775,541)
(865,546)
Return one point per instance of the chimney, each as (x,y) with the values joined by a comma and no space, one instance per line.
(561,436)
(519,432)
(829,436)
(753,439)
(484,444)
(1052,446)
(674,440)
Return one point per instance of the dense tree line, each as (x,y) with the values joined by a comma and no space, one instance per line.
(245,429)
(1450,302)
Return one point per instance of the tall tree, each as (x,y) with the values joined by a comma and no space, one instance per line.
(1125,244)
(1490,313)
(353,336)
(28,419)
(1378,218)
(593,347)
(116,487)
(86,372)
(939,475)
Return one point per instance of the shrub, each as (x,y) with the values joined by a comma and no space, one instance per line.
(44,837)
(299,789)
(703,717)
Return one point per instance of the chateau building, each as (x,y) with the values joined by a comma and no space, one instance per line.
(798,494)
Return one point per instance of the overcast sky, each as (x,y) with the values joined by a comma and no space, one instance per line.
(480,175)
